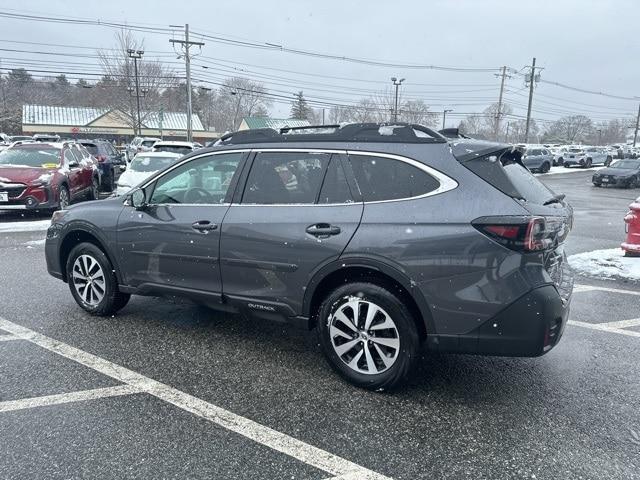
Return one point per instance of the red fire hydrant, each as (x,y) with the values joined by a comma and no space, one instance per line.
(631,246)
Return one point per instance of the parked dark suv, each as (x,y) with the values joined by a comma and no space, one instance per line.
(382,237)
(108,160)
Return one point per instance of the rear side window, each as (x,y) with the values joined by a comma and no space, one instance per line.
(92,148)
(148,143)
(285,178)
(381,178)
(509,176)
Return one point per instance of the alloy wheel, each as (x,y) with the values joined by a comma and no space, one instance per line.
(88,279)
(64,198)
(364,336)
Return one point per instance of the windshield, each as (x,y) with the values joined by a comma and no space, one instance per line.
(150,163)
(626,164)
(183,150)
(31,157)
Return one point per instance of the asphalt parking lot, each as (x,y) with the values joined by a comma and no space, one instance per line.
(167,389)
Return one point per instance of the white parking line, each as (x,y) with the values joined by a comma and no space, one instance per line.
(58,399)
(634,322)
(590,288)
(273,439)
(5,338)
(604,328)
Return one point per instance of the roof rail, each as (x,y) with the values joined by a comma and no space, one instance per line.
(396,132)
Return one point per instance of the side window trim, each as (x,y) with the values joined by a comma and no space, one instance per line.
(446,183)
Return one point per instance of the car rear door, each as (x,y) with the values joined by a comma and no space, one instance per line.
(296,213)
(172,244)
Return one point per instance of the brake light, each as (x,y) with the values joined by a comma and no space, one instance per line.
(101,158)
(529,234)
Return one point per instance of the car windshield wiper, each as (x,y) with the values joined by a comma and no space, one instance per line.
(555,199)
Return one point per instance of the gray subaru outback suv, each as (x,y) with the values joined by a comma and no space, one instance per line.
(383,238)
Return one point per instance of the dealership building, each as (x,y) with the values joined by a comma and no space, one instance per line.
(79,122)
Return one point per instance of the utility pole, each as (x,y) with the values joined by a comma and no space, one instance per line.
(506,136)
(532,80)
(136,55)
(186,44)
(635,135)
(444,116)
(497,123)
(397,84)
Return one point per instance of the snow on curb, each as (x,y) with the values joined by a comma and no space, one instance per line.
(37,226)
(608,264)
(557,170)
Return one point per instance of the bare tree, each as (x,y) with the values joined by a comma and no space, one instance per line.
(570,129)
(117,90)
(417,111)
(236,99)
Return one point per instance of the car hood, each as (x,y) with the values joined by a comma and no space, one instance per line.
(131,178)
(619,172)
(22,174)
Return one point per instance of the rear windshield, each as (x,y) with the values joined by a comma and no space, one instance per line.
(150,163)
(626,164)
(31,157)
(508,175)
(93,149)
(182,150)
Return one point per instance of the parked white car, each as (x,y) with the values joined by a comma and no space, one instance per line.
(142,167)
(140,144)
(174,146)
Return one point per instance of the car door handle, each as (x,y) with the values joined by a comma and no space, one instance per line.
(204,226)
(323,230)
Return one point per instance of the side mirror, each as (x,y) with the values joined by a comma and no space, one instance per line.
(138,199)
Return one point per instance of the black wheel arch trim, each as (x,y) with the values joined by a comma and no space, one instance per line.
(86,227)
(372,262)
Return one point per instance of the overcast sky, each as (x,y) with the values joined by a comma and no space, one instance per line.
(589,44)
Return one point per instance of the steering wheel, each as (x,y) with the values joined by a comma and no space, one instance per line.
(198,195)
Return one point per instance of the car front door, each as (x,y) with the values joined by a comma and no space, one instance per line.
(297,213)
(172,243)
(74,171)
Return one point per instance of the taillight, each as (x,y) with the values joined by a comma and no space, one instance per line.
(101,158)
(526,234)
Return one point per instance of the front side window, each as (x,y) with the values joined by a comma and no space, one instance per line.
(285,178)
(204,180)
(381,178)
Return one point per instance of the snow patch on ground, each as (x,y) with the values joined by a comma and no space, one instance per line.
(37,226)
(35,243)
(556,170)
(608,264)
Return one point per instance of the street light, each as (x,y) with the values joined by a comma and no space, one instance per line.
(444,116)
(397,84)
(136,55)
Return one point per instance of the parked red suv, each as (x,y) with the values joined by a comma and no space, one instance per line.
(45,176)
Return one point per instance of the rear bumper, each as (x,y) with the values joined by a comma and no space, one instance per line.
(529,327)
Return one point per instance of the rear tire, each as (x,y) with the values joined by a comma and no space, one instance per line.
(94,189)
(368,356)
(92,281)
(588,163)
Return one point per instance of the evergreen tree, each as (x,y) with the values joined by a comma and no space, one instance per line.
(299,108)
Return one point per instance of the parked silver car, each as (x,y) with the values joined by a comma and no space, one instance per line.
(537,159)
(585,157)
(140,144)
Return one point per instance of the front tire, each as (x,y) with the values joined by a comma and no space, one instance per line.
(545,167)
(93,282)
(608,161)
(64,199)
(368,335)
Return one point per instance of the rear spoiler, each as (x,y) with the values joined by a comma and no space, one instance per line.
(466,150)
